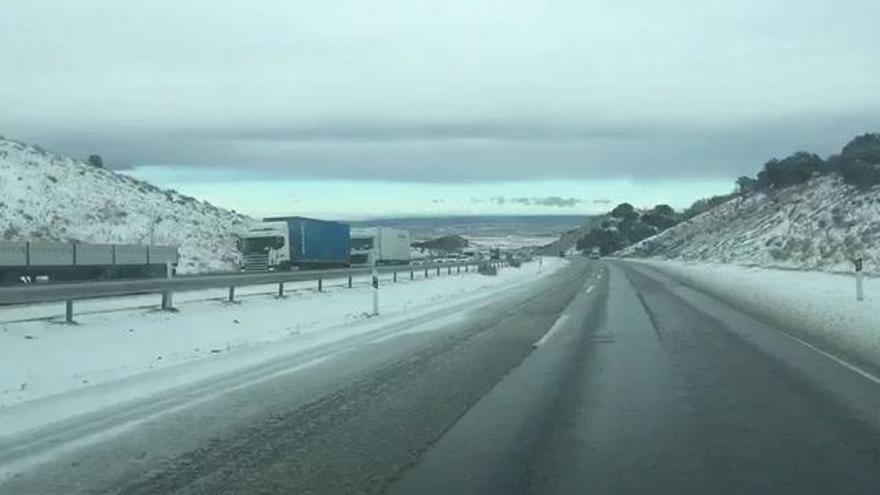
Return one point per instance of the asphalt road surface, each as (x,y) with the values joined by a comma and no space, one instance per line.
(605,377)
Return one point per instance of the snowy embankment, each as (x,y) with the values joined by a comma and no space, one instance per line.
(39,359)
(820,225)
(821,308)
(49,197)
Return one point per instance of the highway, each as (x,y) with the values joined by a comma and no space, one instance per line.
(605,377)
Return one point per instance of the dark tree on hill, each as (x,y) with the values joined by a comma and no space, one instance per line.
(661,217)
(607,240)
(633,230)
(706,204)
(96,161)
(659,220)
(792,170)
(623,210)
(664,210)
(859,162)
(865,148)
(746,184)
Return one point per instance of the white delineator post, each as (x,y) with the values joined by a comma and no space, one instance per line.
(375,292)
(860,280)
(167,296)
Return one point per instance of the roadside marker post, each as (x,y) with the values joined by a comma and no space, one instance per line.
(375,292)
(168,296)
(860,279)
(68,312)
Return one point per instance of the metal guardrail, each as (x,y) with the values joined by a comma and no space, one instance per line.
(73,291)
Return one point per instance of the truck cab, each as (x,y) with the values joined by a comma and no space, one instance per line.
(282,243)
(265,247)
(363,247)
(373,246)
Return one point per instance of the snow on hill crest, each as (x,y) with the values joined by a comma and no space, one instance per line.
(820,225)
(44,196)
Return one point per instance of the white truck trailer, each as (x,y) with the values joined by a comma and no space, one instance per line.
(22,262)
(373,246)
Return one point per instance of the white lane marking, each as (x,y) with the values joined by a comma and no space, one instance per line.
(590,289)
(559,322)
(10,469)
(834,358)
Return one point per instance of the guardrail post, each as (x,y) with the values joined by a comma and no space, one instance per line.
(438,271)
(458,268)
(395,276)
(231,294)
(167,295)
(68,312)
(280,290)
(449,270)
(426,273)
(412,274)
(349,281)
(466,268)
(320,285)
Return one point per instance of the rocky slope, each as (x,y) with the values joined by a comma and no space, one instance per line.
(821,225)
(44,196)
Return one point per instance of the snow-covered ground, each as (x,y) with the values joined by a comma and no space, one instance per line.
(820,225)
(44,196)
(39,359)
(821,307)
(511,241)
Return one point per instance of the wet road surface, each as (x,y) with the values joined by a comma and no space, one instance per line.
(606,377)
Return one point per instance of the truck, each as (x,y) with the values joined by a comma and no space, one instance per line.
(374,246)
(286,243)
(41,261)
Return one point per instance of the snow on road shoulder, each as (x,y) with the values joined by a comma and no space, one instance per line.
(42,358)
(820,307)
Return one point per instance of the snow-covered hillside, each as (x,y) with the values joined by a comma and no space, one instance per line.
(818,225)
(51,197)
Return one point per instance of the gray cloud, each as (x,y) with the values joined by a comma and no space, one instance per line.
(466,92)
(557,201)
(705,153)
(553,201)
(415,131)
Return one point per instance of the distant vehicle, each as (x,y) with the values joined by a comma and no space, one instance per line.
(374,246)
(470,254)
(284,243)
(25,262)
(595,253)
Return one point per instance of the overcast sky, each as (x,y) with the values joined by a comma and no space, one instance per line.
(408,102)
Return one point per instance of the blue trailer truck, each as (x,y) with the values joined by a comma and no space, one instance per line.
(284,243)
